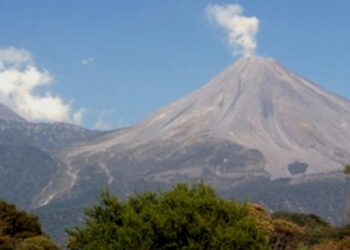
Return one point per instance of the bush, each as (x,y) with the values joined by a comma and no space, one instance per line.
(332,244)
(37,243)
(287,235)
(315,228)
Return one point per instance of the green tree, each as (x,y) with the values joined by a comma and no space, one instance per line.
(17,227)
(17,224)
(182,218)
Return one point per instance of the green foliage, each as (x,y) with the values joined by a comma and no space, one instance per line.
(7,242)
(18,228)
(183,218)
(281,234)
(37,243)
(301,219)
(316,229)
(17,224)
(263,219)
(332,244)
(318,234)
(287,235)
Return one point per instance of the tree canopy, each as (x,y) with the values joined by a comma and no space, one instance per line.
(19,230)
(182,218)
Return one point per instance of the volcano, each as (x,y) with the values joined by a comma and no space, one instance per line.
(283,124)
(257,131)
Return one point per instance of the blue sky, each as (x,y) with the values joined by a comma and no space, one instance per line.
(142,55)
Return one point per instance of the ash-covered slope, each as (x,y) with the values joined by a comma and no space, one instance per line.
(292,126)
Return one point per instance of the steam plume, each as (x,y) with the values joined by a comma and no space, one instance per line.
(241,30)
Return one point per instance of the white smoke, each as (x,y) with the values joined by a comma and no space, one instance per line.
(241,30)
(19,82)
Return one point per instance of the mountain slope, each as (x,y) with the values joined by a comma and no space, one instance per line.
(8,115)
(24,171)
(28,161)
(299,128)
(16,130)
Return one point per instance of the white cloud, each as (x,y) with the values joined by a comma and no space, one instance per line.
(241,30)
(14,57)
(87,61)
(19,81)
